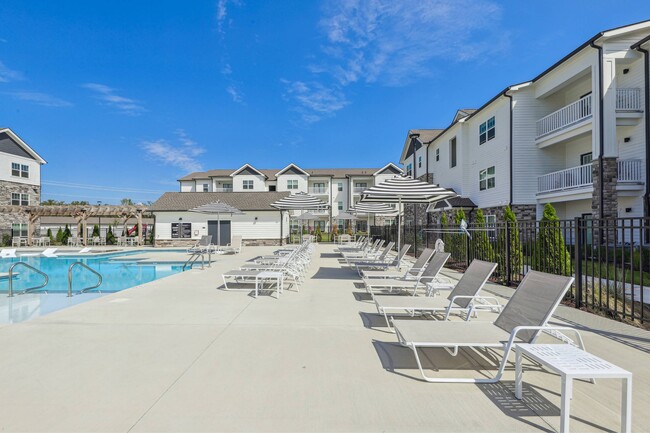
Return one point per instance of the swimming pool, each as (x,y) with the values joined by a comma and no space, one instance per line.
(117,270)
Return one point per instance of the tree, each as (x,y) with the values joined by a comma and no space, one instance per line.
(79,203)
(49,235)
(66,234)
(458,240)
(110,237)
(318,233)
(551,254)
(95,231)
(59,236)
(516,257)
(481,247)
(126,202)
(51,202)
(446,237)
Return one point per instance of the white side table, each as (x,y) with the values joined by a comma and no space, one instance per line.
(571,363)
(278,276)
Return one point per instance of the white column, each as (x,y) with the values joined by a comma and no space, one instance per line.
(609,107)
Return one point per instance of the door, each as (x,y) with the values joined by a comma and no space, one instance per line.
(214,227)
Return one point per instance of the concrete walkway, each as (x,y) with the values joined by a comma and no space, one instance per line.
(178,354)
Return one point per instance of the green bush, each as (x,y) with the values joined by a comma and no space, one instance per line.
(110,237)
(457,247)
(49,235)
(95,231)
(318,233)
(59,236)
(480,243)
(66,234)
(6,240)
(516,258)
(446,237)
(551,254)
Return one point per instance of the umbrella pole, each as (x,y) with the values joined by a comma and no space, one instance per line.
(399,223)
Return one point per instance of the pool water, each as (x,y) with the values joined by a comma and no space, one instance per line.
(116,275)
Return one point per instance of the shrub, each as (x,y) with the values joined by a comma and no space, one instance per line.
(110,237)
(516,257)
(95,231)
(66,234)
(6,240)
(49,235)
(480,243)
(350,228)
(319,235)
(59,236)
(551,254)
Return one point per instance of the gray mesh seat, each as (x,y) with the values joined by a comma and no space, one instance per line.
(464,298)
(412,273)
(521,320)
(385,264)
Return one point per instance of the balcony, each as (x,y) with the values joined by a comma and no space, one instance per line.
(627,101)
(319,190)
(629,171)
(223,189)
(359,189)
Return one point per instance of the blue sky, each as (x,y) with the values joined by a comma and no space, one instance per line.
(124,97)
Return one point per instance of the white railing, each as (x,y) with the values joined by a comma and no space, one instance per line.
(359,189)
(565,116)
(320,211)
(223,190)
(629,170)
(573,177)
(628,99)
(318,190)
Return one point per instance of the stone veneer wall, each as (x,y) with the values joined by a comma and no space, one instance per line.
(610,201)
(6,188)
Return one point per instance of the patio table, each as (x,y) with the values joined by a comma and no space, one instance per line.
(278,276)
(571,363)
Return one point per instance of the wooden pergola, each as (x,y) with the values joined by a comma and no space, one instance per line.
(80,213)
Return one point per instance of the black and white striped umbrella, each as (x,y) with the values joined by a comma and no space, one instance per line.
(300,201)
(374,208)
(400,189)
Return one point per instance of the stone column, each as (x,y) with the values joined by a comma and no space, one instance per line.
(609,199)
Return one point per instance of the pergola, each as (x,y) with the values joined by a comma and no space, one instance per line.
(80,213)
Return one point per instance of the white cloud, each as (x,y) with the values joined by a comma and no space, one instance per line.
(394,42)
(109,97)
(184,155)
(315,100)
(222,12)
(7,74)
(40,99)
(235,94)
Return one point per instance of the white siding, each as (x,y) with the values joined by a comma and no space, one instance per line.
(259,182)
(164,222)
(441,171)
(188,186)
(5,169)
(267,225)
(303,182)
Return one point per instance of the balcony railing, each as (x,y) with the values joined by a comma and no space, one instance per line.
(628,99)
(359,189)
(629,170)
(565,116)
(318,190)
(223,189)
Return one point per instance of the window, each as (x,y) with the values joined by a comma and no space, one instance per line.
(486,130)
(181,230)
(340,205)
(19,170)
(340,186)
(437,154)
(361,185)
(452,153)
(272,187)
(586,158)
(486,178)
(319,188)
(248,184)
(19,230)
(419,162)
(205,187)
(292,184)
(409,170)
(18,199)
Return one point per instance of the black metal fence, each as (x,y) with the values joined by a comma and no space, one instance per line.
(609,258)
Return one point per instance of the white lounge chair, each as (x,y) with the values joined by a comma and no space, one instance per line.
(370,256)
(201,245)
(464,298)
(6,253)
(234,246)
(48,252)
(523,318)
(84,250)
(411,273)
(383,264)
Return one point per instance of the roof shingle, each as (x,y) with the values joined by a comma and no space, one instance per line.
(245,201)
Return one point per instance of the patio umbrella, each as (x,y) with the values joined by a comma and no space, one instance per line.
(373,208)
(218,208)
(348,217)
(400,189)
(300,201)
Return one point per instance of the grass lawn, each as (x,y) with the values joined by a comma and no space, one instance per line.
(607,271)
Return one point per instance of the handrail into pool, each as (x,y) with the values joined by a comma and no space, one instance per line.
(11,279)
(84,290)
(193,258)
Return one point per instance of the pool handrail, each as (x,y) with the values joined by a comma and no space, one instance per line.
(10,292)
(85,289)
(193,258)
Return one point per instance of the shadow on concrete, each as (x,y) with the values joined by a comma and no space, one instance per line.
(330,256)
(324,273)
(362,296)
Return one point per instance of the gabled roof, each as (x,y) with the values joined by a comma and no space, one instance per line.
(339,173)
(416,138)
(23,145)
(245,201)
(386,167)
(292,165)
(249,167)
(462,113)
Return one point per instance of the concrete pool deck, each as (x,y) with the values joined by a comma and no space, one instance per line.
(177,354)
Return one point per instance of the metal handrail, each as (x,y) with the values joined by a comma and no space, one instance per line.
(84,290)
(193,258)
(11,279)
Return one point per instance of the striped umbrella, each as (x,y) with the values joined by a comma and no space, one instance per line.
(300,201)
(373,208)
(402,189)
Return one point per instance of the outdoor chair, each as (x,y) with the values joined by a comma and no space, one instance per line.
(464,298)
(370,253)
(523,318)
(234,246)
(383,264)
(371,257)
(411,273)
(408,285)
(201,245)
(48,252)
(6,253)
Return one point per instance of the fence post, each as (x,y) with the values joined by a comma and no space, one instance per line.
(508,269)
(466,249)
(577,246)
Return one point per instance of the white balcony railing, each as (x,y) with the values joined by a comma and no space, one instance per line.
(359,189)
(629,170)
(223,189)
(320,211)
(628,99)
(565,116)
(318,190)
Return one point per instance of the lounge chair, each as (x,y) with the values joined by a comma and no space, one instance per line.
(385,264)
(412,273)
(521,321)
(48,252)
(6,253)
(401,285)
(201,245)
(234,246)
(464,298)
(373,251)
(84,250)
(371,257)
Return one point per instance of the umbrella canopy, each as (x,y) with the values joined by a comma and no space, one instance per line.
(307,216)
(299,201)
(402,189)
(375,208)
(345,216)
(218,208)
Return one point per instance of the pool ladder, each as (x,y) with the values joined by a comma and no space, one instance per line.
(193,259)
(84,290)
(10,292)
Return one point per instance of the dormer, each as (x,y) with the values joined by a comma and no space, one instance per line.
(248,178)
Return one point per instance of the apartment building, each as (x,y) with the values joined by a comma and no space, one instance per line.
(20,180)
(576,136)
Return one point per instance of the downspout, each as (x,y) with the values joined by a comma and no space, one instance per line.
(331,203)
(646,74)
(505,93)
(601,133)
